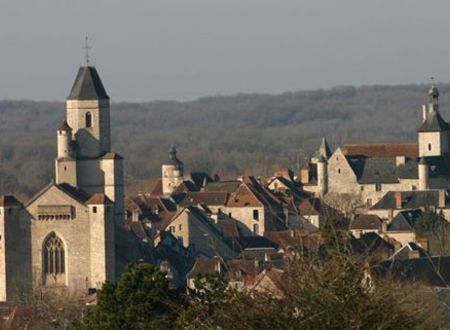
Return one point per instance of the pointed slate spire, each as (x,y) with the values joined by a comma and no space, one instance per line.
(324,149)
(88,85)
(173,160)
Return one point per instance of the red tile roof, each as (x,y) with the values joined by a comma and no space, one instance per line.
(98,199)
(382,150)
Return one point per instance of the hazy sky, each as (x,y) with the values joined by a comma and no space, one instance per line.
(184,49)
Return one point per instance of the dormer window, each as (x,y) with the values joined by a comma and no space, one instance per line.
(88,119)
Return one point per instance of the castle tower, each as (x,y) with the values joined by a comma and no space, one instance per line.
(423,174)
(88,113)
(322,175)
(433,134)
(172,172)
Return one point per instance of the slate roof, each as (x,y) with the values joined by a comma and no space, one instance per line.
(257,242)
(434,123)
(8,201)
(432,271)
(88,85)
(371,243)
(404,221)
(366,222)
(324,149)
(374,170)
(410,200)
(382,150)
(208,198)
(228,186)
(64,126)
(200,179)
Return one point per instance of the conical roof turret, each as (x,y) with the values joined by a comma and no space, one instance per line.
(88,85)
(324,149)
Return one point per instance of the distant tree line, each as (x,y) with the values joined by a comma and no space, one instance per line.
(228,135)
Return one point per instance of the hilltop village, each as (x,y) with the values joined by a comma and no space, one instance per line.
(384,200)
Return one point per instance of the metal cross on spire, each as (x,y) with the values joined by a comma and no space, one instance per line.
(86,48)
(432,80)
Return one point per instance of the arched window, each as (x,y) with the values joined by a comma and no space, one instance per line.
(54,258)
(88,119)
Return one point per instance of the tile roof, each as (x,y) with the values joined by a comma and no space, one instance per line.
(203,266)
(366,222)
(228,186)
(88,85)
(410,200)
(204,197)
(157,189)
(381,150)
(98,199)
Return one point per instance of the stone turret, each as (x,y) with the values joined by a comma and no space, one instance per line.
(172,172)
(423,174)
(433,133)
(64,138)
(322,175)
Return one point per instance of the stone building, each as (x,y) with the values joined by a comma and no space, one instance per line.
(64,237)
(369,171)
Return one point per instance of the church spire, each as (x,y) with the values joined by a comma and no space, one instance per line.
(88,85)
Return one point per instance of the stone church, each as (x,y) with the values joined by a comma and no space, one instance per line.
(64,237)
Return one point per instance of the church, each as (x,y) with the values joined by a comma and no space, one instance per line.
(63,238)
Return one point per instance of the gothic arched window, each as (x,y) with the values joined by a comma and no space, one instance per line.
(88,119)
(54,259)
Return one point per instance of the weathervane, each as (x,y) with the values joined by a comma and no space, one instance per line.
(86,48)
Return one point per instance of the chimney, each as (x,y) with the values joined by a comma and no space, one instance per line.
(441,201)
(398,199)
(400,160)
(304,175)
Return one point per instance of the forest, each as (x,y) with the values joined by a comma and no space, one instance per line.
(225,135)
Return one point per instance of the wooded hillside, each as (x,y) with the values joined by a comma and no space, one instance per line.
(228,135)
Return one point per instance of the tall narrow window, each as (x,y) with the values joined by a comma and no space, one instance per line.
(88,118)
(54,259)
(429,146)
(255,215)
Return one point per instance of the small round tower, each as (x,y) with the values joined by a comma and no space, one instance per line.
(423,174)
(172,172)
(322,175)
(64,139)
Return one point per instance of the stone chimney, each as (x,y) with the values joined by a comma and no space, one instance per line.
(398,199)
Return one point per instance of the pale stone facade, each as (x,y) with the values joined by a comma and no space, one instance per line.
(64,237)
(368,172)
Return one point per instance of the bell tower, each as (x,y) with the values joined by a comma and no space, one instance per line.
(88,113)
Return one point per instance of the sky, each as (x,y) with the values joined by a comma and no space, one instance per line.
(149,50)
